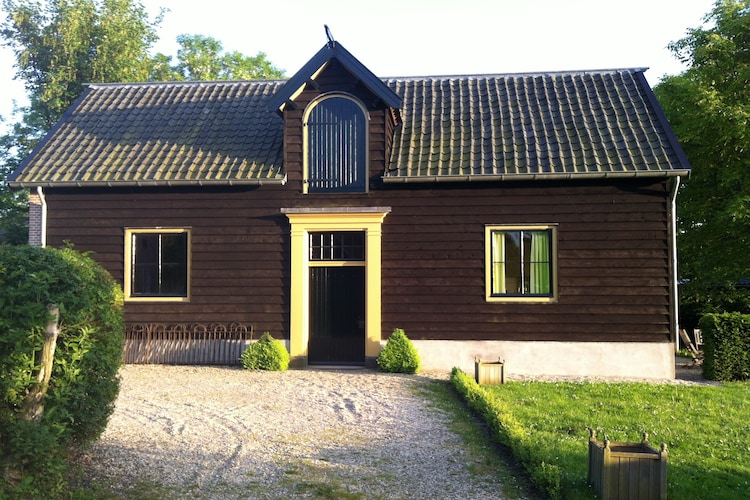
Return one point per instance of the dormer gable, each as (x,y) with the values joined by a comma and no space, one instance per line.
(339,123)
(331,55)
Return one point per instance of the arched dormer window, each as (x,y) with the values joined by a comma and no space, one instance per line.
(336,140)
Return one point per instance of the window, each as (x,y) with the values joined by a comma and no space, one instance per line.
(157,264)
(336,142)
(521,263)
(337,246)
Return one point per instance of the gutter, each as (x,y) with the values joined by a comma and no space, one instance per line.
(43,229)
(397,179)
(178,183)
(675,290)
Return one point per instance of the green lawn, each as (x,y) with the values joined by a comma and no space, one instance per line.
(706,429)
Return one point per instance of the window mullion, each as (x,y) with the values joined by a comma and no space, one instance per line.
(523,263)
(159,263)
(133,247)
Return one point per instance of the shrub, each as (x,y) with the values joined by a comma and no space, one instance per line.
(84,382)
(399,354)
(265,354)
(726,348)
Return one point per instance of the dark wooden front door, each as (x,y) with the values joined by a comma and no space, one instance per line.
(337,315)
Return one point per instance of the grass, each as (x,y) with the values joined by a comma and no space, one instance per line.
(706,429)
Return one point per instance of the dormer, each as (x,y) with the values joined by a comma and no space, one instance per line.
(339,120)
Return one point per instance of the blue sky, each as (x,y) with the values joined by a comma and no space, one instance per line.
(433,37)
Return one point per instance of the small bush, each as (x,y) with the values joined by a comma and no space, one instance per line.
(265,354)
(726,348)
(399,354)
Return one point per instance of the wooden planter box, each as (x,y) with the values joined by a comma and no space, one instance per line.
(489,373)
(627,470)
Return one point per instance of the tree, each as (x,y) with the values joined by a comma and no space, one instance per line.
(708,106)
(203,58)
(14,213)
(60,45)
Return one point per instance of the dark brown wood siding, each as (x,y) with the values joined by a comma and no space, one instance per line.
(613,254)
(613,259)
(240,248)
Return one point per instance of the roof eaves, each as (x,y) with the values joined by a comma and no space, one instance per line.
(536,177)
(164,183)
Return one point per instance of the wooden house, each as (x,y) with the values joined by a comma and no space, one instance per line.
(528,217)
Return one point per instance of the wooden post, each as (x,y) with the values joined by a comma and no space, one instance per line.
(33,406)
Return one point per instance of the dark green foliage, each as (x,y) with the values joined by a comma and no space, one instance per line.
(265,354)
(726,348)
(203,58)
(399,354)
(707,106)
(699,299)
(84,382)
(14,205)
(508,431)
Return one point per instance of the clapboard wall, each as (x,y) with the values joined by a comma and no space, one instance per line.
(613,252)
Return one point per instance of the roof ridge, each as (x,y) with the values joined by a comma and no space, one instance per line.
(523,73)
(182,83)
(458,76)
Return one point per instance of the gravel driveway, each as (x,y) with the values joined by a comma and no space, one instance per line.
(204,432)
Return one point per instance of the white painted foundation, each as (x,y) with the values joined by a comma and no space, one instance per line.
(575,359)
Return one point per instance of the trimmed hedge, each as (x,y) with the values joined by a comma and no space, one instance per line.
(726,346)
(507,430)
(84,382)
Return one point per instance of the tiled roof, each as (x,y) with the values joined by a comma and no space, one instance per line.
(551,125)
(163,133)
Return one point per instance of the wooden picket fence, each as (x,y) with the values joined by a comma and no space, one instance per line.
(186,344)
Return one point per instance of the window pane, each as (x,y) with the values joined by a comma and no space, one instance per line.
(337,145)
(159,266)
(173,265)
(341,246)
(145,279)
(513,275)
(539,264)
(521,262)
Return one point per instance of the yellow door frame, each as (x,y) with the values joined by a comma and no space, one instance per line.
(306,220)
